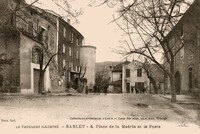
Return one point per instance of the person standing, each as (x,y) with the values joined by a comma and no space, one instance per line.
(86,89)
(105,90)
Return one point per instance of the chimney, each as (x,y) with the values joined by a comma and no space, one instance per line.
(68,21)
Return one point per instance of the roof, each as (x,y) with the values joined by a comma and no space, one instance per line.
(186,16)
(118,67)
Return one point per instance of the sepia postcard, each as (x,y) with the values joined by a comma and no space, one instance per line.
(99,66)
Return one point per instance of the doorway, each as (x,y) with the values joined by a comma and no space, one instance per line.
(190,70)
(178,82)
(127,87)
(36,81)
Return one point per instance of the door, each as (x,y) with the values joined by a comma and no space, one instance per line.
(177,83)
(127,87)
(36,81)
(190,80)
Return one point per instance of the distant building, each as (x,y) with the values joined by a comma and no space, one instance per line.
(127,77)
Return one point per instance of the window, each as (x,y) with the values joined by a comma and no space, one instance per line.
(72,37)
(127,72)
(36,54)
(69,64)
(41,33)
(120,75)
(139,72)
(72,65)
(64,63)
(77,41)
(30,27)
(63,48)
(182,53)
(64,32)
(70,51)
(77,55)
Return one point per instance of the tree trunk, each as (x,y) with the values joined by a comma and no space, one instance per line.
(41,76)
(155,88)
(165,84)
(41,82)
(172,82)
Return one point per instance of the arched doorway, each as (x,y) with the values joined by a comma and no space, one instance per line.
(190,71)
(178,82)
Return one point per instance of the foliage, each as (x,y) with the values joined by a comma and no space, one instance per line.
(102,78)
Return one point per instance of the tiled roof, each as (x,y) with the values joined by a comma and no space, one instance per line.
(118,67)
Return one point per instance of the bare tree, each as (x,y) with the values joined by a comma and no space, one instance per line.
(7,30)
(102,78)
(150,22)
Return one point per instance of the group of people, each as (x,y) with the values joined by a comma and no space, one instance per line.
(138,90)
(97,90)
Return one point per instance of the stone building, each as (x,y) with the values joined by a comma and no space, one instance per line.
(29,33)
(69,44)
(34,35)
(187,61)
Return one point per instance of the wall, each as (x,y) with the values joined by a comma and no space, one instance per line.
(88,58)
(133,75)
(9,45)
(27,67)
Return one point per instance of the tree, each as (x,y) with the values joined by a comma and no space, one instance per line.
(82,81)
(8,30)
(102,78)
(150,22)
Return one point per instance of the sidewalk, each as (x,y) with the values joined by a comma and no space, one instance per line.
(184,99)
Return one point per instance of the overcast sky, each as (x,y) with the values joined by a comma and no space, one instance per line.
(95,27)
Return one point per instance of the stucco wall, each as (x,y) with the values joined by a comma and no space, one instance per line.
(133,75)
(88,58)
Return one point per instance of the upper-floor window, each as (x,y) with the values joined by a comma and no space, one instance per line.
(64,63)
(36,55)
(127,72)
(77,41)
(30,27)
(77,54)
(64,32)
(41,34)
(64,48)
(70,51)
(72,65)
(72,37)
(139,72)
(182,53)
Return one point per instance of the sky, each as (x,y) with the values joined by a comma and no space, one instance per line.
(95,26)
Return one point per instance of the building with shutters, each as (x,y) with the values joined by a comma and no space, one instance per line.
(29,33)
(127,77)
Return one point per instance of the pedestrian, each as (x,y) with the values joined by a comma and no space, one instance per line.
(86,89)
(105,90)
(94,89)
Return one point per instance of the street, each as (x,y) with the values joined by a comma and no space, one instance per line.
(105,109)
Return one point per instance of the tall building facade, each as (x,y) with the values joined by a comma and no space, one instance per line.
(29,34)
(187,61)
